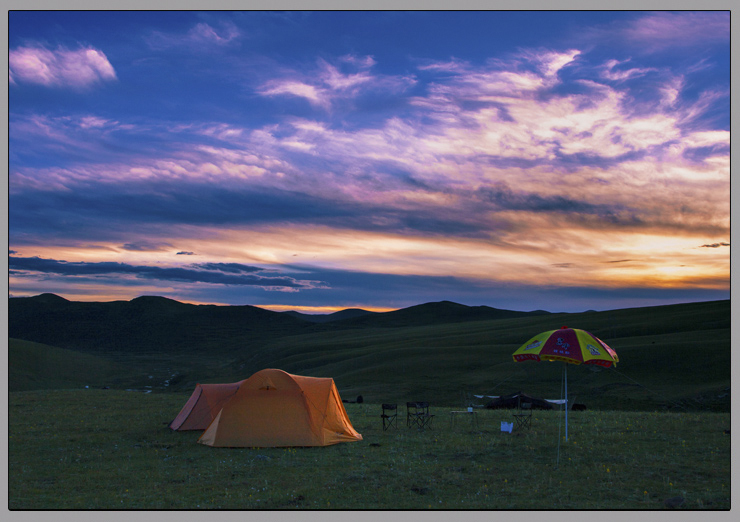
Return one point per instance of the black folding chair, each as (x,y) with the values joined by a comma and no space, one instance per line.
(417,415)
(389,416)
(425,417)
(523,415)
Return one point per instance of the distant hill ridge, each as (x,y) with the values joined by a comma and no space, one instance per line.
(417,315)
(434,313)
(349,313)
(157,324)
(146,324)
(153,323)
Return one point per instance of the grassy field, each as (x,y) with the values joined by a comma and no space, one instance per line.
(111,449)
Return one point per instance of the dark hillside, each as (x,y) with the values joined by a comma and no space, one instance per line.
(336,316)
(34,366)
(144,324)
(158,324)
(431,314)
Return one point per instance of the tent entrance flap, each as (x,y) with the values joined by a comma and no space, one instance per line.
(271,418)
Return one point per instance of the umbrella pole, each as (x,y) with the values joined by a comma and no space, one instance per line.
(560,423)
(566,401)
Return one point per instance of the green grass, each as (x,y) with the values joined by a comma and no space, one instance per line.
(109,449)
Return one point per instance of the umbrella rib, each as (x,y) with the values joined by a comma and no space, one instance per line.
(519,368)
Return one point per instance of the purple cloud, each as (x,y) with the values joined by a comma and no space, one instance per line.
(664,30)
(59,68)
(328,83)
(201,37)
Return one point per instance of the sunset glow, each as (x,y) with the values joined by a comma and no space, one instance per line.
(298,161)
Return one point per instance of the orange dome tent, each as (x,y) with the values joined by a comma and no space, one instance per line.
(273,408)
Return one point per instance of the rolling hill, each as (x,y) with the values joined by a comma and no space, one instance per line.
(349,313)
(431,314)
(144,324)
(34,366)
(670,356)
(147,324)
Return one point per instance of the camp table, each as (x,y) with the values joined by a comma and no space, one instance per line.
(473,416)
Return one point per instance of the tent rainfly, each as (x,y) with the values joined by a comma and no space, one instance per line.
(203,406)
(273,408)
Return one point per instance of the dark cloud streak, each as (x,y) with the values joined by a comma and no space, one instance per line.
(145,246)
(232,268)
(211,273)
(503,198)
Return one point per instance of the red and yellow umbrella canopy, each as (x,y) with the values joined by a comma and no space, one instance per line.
(569,345)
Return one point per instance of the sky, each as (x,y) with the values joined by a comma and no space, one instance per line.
(323,160)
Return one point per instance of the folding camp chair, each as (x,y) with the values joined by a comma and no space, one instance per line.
(417,415)
(389,416)
(523,415)
(411,414)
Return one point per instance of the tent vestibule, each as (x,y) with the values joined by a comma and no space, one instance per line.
(203,406)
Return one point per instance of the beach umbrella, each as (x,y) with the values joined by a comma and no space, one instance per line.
(570,345)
